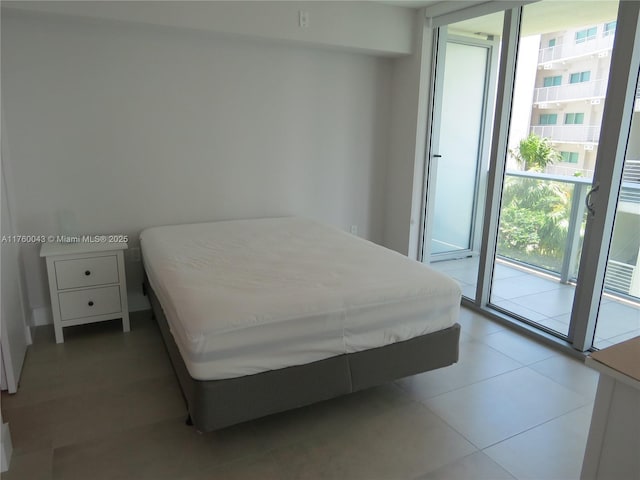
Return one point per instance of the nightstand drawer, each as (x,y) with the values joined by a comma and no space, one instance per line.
(86,272)
(90,302)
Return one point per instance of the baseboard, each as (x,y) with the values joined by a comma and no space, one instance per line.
(41,316)
(138,302)
(6,448)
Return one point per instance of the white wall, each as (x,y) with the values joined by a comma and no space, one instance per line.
(123,127)
(405,171)
(363,26)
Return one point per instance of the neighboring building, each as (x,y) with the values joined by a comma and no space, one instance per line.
(568,101)
(571,76)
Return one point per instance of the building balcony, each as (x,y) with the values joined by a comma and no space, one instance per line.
(535,281)
(597,45)
(568,133)
(594,90)
(546,301)
(630,191)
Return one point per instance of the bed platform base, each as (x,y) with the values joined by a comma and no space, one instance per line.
(216,404)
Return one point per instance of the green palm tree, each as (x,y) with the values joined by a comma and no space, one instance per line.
(535,153)
(535,213)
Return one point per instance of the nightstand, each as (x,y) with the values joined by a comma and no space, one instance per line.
(86,282)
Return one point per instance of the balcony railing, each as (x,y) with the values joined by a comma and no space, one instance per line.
(569,214)
(630,191)
(595,89)
(568,133)
(568,170)
(570,50)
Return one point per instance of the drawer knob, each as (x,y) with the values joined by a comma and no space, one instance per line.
(90,303)
(87,272)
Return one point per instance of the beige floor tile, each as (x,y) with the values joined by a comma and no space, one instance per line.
(569,372)
(519,347)
(329,417)
(261,467)
(30,466)
(92,362)
(476,466)
(477,326)
(31,428)
(500,407)
(85,416)
(165,450)
(554,450)
(402,443)
(477,362)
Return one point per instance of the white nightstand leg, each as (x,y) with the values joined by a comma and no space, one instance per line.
(59,336)
(125,323)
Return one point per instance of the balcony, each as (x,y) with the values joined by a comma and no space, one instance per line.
(593,90)
(590,46)
(545,300)
(630,191)
(537,261)
(568,133)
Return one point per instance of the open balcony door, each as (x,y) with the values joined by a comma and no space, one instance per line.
(463,102)
(459,147)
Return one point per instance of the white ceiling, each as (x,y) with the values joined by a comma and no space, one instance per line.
(546,16)
(412,3)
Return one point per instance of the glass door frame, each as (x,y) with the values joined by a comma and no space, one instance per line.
(443,37)
(607,177)
(616,124)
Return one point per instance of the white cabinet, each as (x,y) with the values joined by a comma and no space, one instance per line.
(613,446)
(87,283)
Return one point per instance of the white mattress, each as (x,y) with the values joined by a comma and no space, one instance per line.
(246,296)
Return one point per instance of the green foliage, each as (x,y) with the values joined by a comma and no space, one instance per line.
(535,153)
(534,221)
(535,213)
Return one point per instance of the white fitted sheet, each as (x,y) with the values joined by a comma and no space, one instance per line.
(246,296)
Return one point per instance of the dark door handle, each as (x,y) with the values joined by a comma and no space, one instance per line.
(587,200)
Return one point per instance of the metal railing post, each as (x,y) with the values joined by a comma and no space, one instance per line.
(573,233)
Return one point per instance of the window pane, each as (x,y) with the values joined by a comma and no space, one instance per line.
(552,81)
(580,77)
(609,28)
(573,118)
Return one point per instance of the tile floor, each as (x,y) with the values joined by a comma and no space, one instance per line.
(106,405)
(544,300)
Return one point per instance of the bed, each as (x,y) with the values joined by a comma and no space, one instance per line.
(261,316)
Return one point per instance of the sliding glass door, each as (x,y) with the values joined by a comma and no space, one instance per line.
(558,245)
(559,96)
(465,77)
(619,313)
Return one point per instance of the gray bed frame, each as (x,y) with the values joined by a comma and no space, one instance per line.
(215,404)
